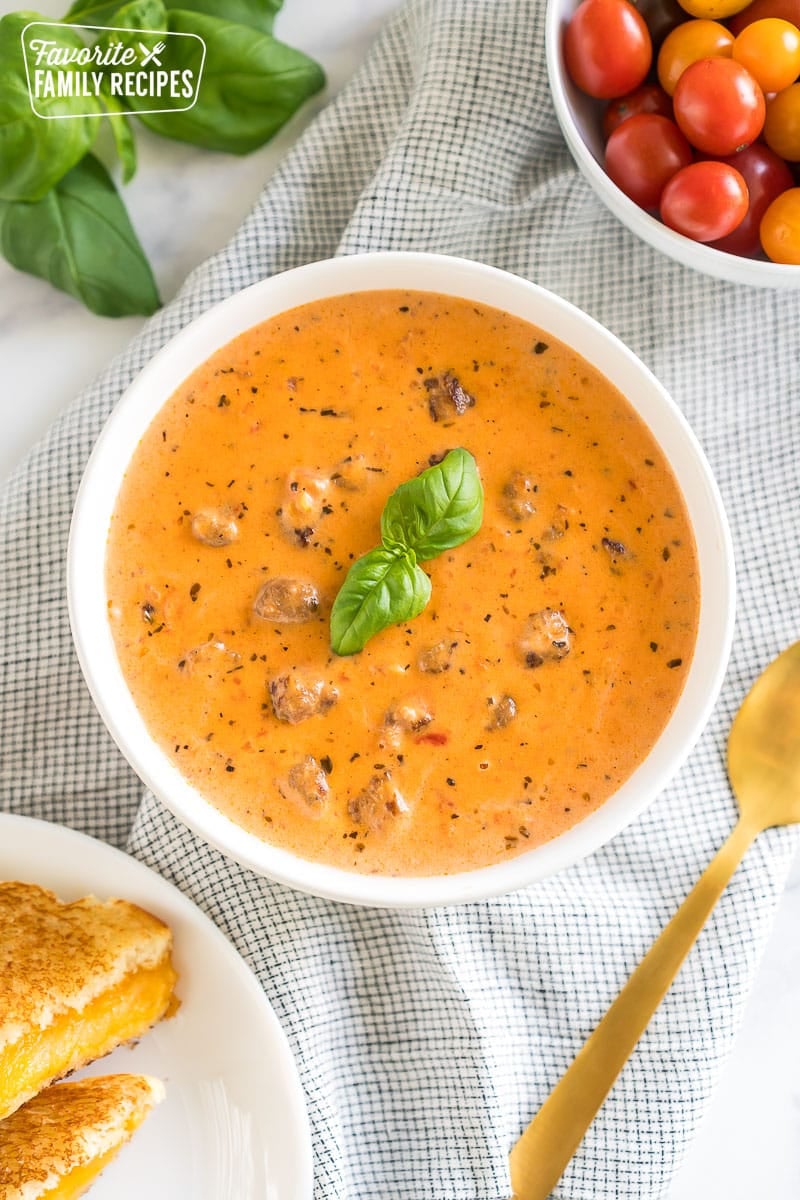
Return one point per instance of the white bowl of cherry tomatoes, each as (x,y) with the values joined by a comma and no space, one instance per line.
(685,118)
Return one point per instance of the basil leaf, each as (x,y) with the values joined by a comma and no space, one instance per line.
(36,150)
(122,133)
(251,85)
(437,510)
(381,588)
(260,14)
(131,24)
(136,15)
(91,12)
(80,238)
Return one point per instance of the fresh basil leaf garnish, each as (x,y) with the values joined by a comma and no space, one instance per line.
(437,510)
(382,587)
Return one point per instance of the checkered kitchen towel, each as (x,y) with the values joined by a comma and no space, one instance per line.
(427,1039)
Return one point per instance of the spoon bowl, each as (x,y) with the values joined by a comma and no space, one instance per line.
(764,745)
(764,771)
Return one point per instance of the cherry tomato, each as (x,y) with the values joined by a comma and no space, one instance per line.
(704,201)
(782,125)
(766,176)
(660,16)
(649,98)
(690,42)
(714,10)
(643,153)
(780,228)
(719,106)
(770,50)
(788,10)
(607,48)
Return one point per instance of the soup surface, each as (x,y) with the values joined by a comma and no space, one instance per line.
(556,641)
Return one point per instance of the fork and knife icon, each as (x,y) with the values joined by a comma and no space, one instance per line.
(151,55)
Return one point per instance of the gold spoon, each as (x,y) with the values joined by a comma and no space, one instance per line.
(764,770)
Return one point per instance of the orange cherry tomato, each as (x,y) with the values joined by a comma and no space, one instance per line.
(715,10)
(688,43)
(780,228)
(770,50)
(782,123)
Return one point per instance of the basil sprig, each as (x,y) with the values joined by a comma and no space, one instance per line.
(63,220)
(434,512)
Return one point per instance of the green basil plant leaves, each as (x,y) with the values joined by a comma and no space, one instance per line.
(436,511)
(251,85)
(138,15)
(260,14)
(92,12)
(122,134)
(37,148)
(79,237)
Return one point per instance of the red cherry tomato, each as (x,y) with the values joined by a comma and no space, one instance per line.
(660,16)
(766,176)
(788,10)
(649,98)
(780,228)
(705,201)
(719,106)
(643,153)
(607,48)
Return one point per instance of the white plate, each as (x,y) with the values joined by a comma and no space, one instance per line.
(233,1125)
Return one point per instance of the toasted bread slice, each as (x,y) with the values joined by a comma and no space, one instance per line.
(56,1145)
(76,980)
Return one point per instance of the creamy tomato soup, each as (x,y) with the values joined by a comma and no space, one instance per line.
(556,641)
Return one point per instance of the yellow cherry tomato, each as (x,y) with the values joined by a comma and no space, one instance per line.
(780,228)
(714,10)
(688,43)
(770,49)
(782,123)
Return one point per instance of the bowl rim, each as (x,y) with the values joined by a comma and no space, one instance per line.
(143,398)
(703,258)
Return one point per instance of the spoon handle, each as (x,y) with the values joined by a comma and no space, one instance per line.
(538,1159)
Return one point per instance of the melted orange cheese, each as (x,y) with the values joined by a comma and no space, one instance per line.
(73,1038)
(291,438)
(78,1181)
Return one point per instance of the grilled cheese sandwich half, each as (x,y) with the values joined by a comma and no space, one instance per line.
(55,1146)
(76,980)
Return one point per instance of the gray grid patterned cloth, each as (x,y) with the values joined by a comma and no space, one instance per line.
(426,1040)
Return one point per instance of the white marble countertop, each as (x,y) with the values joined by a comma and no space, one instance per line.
(748,1144)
